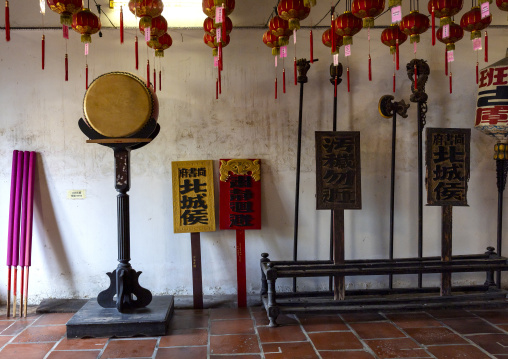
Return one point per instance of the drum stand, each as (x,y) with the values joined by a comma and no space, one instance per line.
(124,295)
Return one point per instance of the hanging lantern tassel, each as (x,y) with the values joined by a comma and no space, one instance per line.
(416,78)
(43,49)
(295,73)
(217,89)
(348,87)
(86,76)
(220,56)
(477,72)
(370,69)
(284,80)
(446,62)
(334,45)
(220,80)
(136,51)
(276,88)
(148,73)
(160,80)
(7,22)
(154,80)
(450,82)
(121,24)
(66,67)
(433,27)
(397,53)
(394,82)
(311,48)
(486,47)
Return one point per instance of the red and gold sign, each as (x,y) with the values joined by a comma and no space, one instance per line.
(326,38)
(347,25)
(293,11)
(367,10)
(280,28)
(162,43)
(210,5)
(86,23)
(456,34)
(66,8)
(146,10)
(240,194)
(414,24)
(193,196)
(472,21)
(271,41)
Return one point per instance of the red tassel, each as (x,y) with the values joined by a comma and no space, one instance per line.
(217,89)
(154,81)
(148,73)
(486,47)
(295,73)
(348,87)
(433,27)
(136,51)
(450,82)
(311,48)
(121,24)
(334,45)
(220,55)
(43,49)
(66,67)
(160,80)
(477,72)
(7,22)
(86,76)
(220,81)
(416,78)
(446,62)
(276,88)
(397,53)
(370,69)
(284,80)
(394,82)
(335,87)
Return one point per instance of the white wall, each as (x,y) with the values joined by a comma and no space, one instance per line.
(75,241)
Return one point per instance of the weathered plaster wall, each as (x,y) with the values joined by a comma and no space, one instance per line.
(75,240)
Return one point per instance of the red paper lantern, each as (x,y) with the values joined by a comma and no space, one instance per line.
(210,27)
(293,11)
(211,42)
(86,23)
(414,24)
(367,10)
(280,28)
(146,10)
(158,27)
(502,4)
(347,25)
(472,21)
(271,41)
(390,35)
(66,8)
(327,40)
(445,9)
(210,5)
(456,34)
(162,43)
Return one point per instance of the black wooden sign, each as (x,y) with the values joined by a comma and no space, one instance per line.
(447,159)
(338,176)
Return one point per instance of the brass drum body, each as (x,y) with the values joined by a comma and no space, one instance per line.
(118,104)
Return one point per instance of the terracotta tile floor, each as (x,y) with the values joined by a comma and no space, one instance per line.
(230,333)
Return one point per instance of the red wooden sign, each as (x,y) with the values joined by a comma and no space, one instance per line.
(240,194)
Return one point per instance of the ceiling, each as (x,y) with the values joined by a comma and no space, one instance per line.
(247,13)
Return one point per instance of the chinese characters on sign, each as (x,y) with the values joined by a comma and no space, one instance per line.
(338,170)
(193,196)
(240,194)
(447,161)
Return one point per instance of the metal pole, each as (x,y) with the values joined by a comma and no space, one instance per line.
(335,81)
(392,191)
(420,188)
(501,171)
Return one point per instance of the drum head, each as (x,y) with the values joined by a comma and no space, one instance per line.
(118,104)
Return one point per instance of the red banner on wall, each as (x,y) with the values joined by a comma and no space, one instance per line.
(240,194)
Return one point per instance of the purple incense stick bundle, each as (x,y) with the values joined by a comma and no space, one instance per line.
(17,211)
(30,209)
(22,241)
(11,206)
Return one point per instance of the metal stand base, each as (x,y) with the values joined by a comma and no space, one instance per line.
(94,321)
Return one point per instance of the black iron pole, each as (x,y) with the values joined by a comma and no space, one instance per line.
(420,188)
(392,190)
(501,171)
(335,83)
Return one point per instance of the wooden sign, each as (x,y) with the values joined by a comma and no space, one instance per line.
(193,197)
(447,158)
(240,194)
(338,170)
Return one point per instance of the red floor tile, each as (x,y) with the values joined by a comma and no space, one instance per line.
(82,344)
(457,351)
(230,313)
(470,326)
(51,333)
(73,354)
(493,343)
(4,324)
(345,355)
(234,344)
(26,351)
(235,326)
(376,330)
(362,317)
(322,323)
(290,333)
(239,356)
(188,322)
(18,326)
(184,337)
(449,313)
(129,348)
(497,316)
(181,353)
(4,339)
(262,319)
(396,348)
(335,340)
(54,319)
(435,336)
(302,350)
(413,320)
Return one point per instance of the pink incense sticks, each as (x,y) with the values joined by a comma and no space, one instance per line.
(29,222)
(11,227)
(16,225)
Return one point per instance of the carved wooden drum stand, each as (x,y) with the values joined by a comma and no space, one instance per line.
(121,113)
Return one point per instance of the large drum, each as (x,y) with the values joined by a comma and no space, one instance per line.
(118,104)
